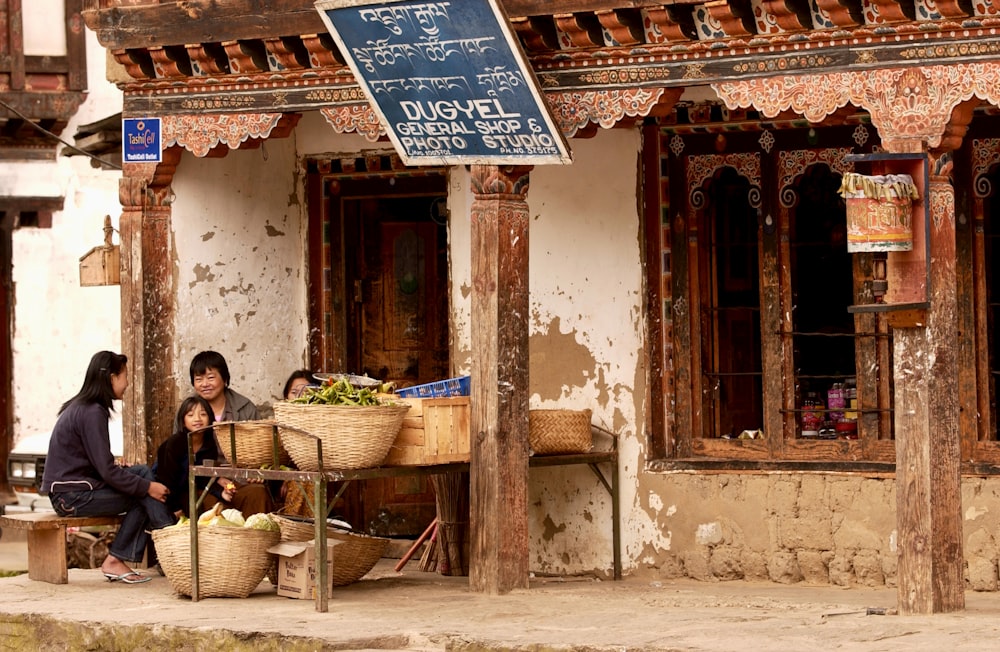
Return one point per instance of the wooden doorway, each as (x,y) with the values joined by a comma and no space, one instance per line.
(379,303)
(6,362)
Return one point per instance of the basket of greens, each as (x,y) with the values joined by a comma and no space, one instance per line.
(339,426)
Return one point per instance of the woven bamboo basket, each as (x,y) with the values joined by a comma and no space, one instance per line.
(254,443)
(555,432)
(352,559)
(232,561)
(353,436)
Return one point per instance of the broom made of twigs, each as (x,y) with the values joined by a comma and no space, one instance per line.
(451,492)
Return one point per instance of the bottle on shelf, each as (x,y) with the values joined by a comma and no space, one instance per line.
(835,401)
(851,398)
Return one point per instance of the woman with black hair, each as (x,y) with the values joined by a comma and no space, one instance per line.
(172,468)
(297,383)
(82,477)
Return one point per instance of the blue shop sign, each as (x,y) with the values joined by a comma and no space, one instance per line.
(448,80)
(141,140)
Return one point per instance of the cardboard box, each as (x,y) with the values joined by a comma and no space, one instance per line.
(297,568)
(435,431)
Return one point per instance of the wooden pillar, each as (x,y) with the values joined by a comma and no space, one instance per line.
(147,305)
(499,466)
(928,452)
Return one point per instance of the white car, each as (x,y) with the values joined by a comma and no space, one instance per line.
(27,462)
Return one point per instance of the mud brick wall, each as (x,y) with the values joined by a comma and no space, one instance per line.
(833,529)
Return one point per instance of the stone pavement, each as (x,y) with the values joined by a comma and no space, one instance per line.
(414,610)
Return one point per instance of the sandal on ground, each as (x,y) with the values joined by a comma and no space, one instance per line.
(131,577)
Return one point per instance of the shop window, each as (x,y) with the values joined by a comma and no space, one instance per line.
(760,357)
(991,251)
(731,340)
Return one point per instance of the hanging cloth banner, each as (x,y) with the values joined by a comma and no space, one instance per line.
(448,80)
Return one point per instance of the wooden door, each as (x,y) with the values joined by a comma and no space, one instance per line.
(378,291)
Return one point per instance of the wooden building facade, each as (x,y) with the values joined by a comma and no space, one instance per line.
(747,114)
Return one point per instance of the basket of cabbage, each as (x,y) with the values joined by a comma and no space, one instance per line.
(232,553)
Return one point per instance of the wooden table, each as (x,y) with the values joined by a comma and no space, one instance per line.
(321,479)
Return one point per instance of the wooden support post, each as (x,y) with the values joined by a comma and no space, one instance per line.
(499,464)
(928,478)
(147,305)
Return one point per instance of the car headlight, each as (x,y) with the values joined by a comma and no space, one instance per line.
(16,469)
(28,470)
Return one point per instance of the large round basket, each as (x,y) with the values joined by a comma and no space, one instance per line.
(353,436)
(232,561)
(254,443)
(352,558)
(559,432)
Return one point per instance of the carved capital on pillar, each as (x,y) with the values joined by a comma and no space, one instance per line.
(354,117)
(148,184)
(909,106)
(496,182)
(574,110)
(200,133)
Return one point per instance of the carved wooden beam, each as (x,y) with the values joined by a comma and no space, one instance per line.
(246,57)
(208,59)
(625,27)
(732,23)
(842,13)
(169,63)
(579,31)
(887,11)
(537,34)
(288,51)
(322,51)
(666,26)
(788,15)
(201,21)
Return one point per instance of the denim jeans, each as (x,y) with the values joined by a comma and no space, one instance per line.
(141,514)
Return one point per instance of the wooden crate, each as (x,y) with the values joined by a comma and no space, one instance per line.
(435,431)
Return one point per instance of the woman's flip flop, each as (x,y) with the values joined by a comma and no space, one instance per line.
(130,577)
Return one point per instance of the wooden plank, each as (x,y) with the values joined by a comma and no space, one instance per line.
(208,21)
(47,555)
(500,310)
(76,46)
(52,521)
(15,36)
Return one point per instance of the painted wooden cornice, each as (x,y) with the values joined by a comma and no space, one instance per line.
(598,61)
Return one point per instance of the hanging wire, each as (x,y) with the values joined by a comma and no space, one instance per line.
(55,137)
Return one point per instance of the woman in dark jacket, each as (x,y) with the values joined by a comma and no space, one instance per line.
(82,477)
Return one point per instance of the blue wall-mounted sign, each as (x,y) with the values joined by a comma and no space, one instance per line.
(141,140)
(448,80)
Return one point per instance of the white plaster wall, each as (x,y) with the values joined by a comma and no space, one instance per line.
(58,325)
(586,334)
(240,267)
(41,36)
(316,136)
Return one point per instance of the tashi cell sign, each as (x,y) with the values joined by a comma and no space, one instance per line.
(448,80)
(141,140)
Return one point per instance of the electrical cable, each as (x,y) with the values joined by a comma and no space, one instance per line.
(55,137)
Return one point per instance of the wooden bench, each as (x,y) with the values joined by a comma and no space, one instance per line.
(47,540)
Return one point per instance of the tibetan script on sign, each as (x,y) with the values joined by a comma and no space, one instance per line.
(448,80)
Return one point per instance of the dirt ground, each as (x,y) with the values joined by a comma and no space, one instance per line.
(415,610)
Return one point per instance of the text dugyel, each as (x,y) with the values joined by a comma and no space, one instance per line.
(459,118)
